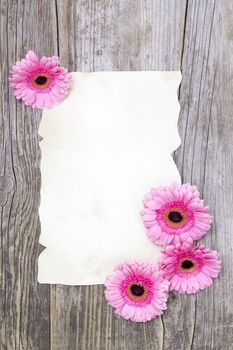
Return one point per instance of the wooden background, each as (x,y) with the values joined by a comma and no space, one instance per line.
(195,36)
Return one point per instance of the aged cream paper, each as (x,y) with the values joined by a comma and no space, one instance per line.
(103,149)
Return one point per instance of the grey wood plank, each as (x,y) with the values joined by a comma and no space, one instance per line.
(205,159)
(112,35)
(24,304)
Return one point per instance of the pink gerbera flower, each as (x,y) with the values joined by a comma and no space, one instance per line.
(137,291)
(175,213)
(189,269)
(40,82)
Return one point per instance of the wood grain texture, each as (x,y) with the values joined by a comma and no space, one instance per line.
(91,35)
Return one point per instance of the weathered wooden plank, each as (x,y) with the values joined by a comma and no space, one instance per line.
(205,159)
(121,35)
(24,304)
(111,35)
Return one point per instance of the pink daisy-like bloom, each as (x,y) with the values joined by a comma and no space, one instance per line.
(175,213)
(40,82)
(138,291)
(189,269)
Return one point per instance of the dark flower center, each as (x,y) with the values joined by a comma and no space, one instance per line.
(175,216)
(187,264)
(41,80)
(137,290)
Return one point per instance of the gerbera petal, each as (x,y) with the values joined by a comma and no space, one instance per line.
(40,103)
(154,233)
(149,217)
(31,56)
(194,205)
(174,279)
(170,259)
(152,204)
(183,285)
(201,279)
(125,312)
(194,282)
(210,271)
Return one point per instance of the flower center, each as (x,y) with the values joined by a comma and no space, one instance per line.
(188,265)
(137,290)
(175,216)
(41,81)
